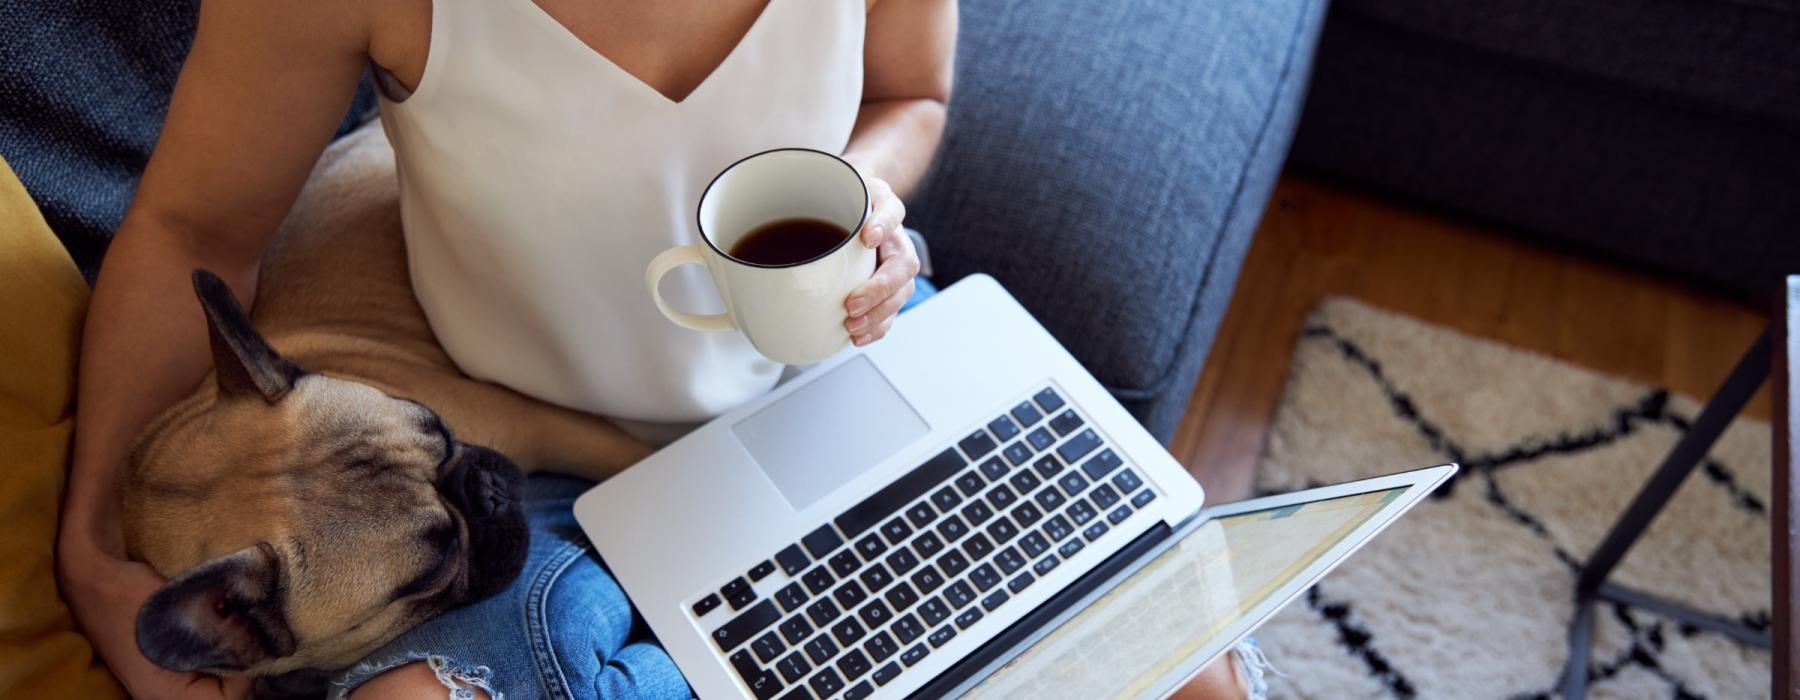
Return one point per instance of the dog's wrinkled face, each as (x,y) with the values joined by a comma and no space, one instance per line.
(305,520)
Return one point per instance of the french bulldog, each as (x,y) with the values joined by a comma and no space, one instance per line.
(310,504)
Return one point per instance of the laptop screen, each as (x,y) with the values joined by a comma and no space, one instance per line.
(1189,603)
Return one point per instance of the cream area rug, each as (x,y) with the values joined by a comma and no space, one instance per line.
(1470,595)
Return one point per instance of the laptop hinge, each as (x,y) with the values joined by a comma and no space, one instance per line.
(1007,640)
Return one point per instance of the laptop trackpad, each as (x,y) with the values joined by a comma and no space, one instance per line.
(826,433)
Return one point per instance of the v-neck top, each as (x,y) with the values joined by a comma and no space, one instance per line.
(538,179)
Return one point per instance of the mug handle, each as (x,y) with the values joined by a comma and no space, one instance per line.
(669,260)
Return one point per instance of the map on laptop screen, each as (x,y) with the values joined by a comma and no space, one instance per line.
(1179,603)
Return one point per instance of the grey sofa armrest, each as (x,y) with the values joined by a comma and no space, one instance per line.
(1108,162)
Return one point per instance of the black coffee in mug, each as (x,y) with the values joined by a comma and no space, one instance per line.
(788,241)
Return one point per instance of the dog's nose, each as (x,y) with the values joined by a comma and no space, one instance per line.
(488,490)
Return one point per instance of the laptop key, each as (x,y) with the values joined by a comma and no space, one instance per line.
(822,612)
(1066,423)
(1045,565)
(1003,428)
(927,545)
(977,512)
(902,596)
(984,577)
(997,599)
(845,563)
(1024,481)
(1041,439)
(1047,466)
(902,561)
(1127,481)
(978,547)
(792,560)
(850,595)
(1001,497)
(914,655)
(942,636)
(706,605)
(1049,499)
(1049,399)
(794,630)
(1034,544)
(1079,446)
(1072,484)
(886,673)
(968,617)
(928,579)
(970,483)
(890,499)
(1104,496)
(908,628)
(847,631)
(994,468)
(952,563)
(1069,548)
(959,594)
(746,667)
(820,542)
(1081,512)
(820,649)
(853,665)
(875,614)
(793,667)
(1027,515)
(1020,582)
(762,571)
(859,691)
(952,528)
(1002,531)
(1094,531)
(870,547)
(1057,527)
(876,577)
(746,625)
(1102,464)
(1026,414)
(881,646)
(763,684)
(818,580)
(826,682)
(1018,453)
(977,444)
(738,593)
(934,611)
(896,530)
(767,647)
(1143,498)
(946,498)
(1119,514)
(1009,560)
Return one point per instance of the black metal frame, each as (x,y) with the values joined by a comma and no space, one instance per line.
(1592,587)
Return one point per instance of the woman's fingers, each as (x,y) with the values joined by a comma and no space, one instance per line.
(885,310)
(899,264)
(874,335)
(885,214)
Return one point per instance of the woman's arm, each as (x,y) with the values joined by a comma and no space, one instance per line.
(264,87)
(909,52)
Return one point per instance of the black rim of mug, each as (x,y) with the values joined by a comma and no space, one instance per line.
(854,230)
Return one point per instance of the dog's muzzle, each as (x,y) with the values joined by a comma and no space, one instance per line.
(488,490)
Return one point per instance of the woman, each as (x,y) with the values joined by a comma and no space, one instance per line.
(547,149)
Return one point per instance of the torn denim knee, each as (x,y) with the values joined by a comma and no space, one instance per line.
(461,679)
(1253,668)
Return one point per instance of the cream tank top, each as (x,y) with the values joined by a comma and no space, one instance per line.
(538,179)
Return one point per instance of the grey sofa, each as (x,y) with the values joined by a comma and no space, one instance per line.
(1662,133)
(1106,161)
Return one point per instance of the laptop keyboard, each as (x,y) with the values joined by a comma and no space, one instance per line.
(924,559)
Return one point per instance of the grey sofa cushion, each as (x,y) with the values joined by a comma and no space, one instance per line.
(1108,161)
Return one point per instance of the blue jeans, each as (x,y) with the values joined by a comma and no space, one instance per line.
(563,629)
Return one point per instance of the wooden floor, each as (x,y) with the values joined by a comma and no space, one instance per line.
(1318,241)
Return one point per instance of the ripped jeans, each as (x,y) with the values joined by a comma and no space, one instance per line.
(564,629)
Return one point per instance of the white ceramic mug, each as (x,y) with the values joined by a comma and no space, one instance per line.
(792,313)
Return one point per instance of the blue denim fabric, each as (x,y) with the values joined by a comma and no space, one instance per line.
(564,629)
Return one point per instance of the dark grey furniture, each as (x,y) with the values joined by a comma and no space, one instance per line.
(1663,133)
(1106,161)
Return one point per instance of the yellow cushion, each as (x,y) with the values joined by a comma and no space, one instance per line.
(42,298)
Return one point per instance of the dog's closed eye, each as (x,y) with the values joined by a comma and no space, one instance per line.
(444,539)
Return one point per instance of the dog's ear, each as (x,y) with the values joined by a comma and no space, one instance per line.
(222,615)
(245,363)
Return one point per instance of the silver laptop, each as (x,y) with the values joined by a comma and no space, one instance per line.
(896,520)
